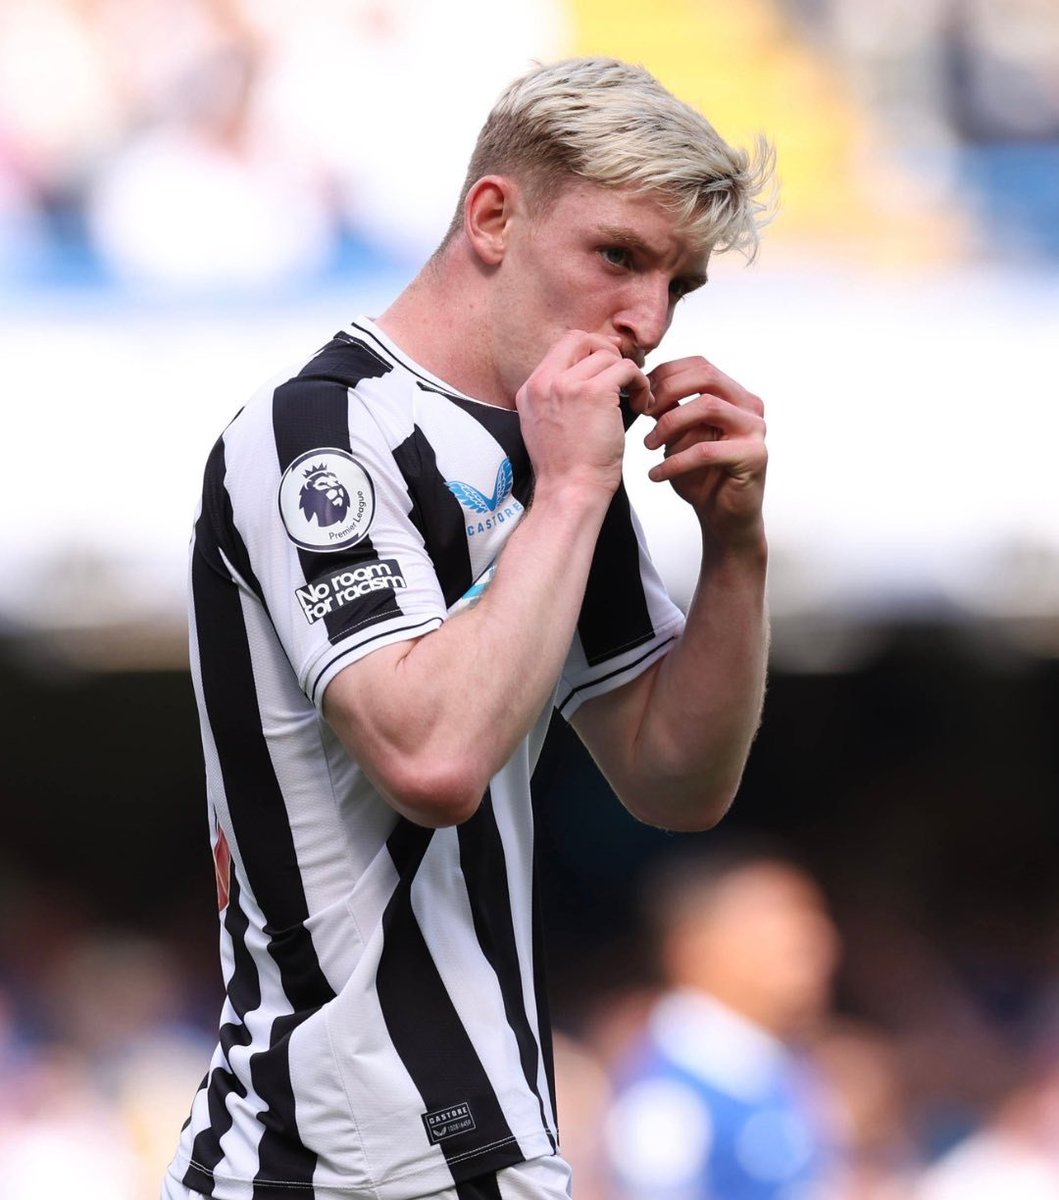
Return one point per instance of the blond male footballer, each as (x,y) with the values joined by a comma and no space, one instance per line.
(411,548)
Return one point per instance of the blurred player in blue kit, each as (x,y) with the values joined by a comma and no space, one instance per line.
(412,547)
(718,1099)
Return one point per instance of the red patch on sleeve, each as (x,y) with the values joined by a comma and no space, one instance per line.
(222,865)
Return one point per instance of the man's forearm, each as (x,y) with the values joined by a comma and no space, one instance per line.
(433,720)
(689,722)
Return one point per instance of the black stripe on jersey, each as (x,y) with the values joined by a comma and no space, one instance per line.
(429,1036)
(540,985)
(346,360)
(483,1187)
(411,367)
(610,674)
(281,1156)
(207,1152)
(258,813)
(504,426)
(614,614)
(311,412)
(605,627)
(437,514)
(483,865)
(244,994)
(217,512)
(260,826)
(502,423)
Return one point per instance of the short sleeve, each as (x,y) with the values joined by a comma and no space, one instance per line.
(628,620)
(319,521)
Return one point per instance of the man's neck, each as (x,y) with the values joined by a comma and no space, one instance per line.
(440,322)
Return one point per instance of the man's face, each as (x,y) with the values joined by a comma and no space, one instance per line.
(769,938)
(600,260)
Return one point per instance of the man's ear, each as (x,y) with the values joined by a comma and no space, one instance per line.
(490,207)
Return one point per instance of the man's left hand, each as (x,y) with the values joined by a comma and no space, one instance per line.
(714,445)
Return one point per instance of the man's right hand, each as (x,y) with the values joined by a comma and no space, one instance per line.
(570,415)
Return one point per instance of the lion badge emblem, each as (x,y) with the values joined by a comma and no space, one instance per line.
(322,496)
(326,500)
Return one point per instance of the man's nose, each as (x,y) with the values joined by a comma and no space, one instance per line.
(646,319)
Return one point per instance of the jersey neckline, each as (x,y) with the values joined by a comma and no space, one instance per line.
(365,326)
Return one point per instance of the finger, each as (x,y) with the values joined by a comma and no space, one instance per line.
(677,380)
(612,371)
(739,459)
(576,345)
(595,363)
(635,391)
(575,351)
(703,413)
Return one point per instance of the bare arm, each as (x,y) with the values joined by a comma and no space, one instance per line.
(674,742)
(431,721)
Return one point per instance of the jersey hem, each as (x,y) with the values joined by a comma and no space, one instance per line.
(420,1181)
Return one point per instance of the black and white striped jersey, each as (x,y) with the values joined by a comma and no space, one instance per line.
(385,1030)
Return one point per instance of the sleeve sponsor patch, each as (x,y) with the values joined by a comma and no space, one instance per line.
(326,500)
(335,591)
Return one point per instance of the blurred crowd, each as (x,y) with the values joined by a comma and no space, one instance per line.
(759,1044)
(239,144)
(225,143)
(969,90)
(780,1050)
(101,1047)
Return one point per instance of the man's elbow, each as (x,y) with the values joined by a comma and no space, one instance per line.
(682,809)
(680,819)
(419,775)
(435,793)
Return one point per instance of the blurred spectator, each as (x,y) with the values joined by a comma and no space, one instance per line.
(384,95)
(97,1060)
(718,1099)
(206,199)
(583,1094)
(877,1155)
(1015,1152)
(968,92)
(234,143)
(954,1058)
(78,78)
(59,1138)
(1003,69)
(60,99)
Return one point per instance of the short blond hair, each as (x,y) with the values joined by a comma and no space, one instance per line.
(612,123)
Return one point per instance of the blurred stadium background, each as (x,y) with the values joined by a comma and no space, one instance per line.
(194,191)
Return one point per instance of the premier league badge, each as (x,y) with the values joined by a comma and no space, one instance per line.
(326,500)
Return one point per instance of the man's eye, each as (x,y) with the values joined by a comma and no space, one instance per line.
(617,256)
(679,288)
